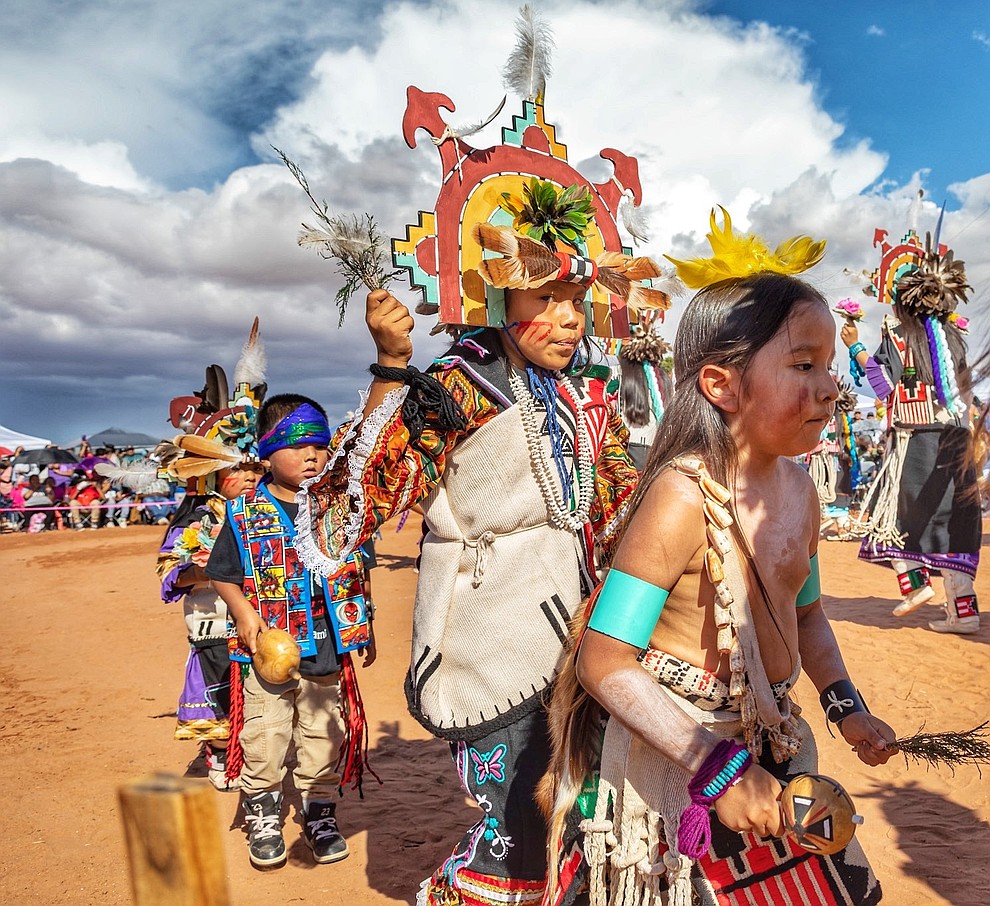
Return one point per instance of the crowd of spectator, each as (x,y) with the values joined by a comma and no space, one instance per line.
(74,496)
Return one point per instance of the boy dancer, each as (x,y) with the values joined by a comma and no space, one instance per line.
(256,570)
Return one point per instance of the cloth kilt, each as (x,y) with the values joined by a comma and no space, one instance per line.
(938,504)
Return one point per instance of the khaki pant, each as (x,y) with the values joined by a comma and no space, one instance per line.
(77,510)
(306,711)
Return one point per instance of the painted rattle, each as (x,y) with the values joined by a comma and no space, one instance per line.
(818,813)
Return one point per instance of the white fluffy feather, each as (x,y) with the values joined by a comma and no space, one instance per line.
(526,71)
(134,475)
(635,221)
(251,366)
(669,283)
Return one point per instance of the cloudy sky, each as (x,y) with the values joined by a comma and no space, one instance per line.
(144,219)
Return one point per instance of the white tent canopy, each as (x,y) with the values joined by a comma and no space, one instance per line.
(14,439)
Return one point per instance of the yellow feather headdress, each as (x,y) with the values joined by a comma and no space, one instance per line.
(741,256)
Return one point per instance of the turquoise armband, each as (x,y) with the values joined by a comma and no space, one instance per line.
(811,591)
(627,608)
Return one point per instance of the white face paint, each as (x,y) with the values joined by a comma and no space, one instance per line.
(635,699)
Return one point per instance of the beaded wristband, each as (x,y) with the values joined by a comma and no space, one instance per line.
(723,780)
(857,371)
(694,832)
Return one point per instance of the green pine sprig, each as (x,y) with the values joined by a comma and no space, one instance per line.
(951,749)
(549,216)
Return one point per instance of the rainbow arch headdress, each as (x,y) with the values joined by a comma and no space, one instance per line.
(451,253)
(735,255)
(922,279)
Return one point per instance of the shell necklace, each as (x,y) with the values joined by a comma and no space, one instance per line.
(559,512)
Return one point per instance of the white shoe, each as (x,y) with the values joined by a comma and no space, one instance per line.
(216,762)
(956,624)
(917,598)
(220,782)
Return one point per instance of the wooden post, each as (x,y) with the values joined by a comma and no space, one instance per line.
(173,842)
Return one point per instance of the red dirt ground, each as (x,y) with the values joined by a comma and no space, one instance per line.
(93,667)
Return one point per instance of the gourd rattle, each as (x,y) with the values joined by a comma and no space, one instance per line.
(276,657)
(818,813)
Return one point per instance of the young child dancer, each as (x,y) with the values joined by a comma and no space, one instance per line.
(255,569)
(710,611)
(204,705)
(924,504)
(218,460)
(514,456)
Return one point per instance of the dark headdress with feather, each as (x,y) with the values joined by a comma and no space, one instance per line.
(220,427)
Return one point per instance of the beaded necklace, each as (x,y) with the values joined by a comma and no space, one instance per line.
(559,513)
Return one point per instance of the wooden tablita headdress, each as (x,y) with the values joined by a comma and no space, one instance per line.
(927,283)
(922,279)
(517,215)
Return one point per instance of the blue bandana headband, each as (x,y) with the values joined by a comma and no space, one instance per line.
(304,425)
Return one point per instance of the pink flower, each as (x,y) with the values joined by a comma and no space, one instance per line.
(959,322)
(849,308)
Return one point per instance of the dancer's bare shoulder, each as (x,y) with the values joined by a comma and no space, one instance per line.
(667,533)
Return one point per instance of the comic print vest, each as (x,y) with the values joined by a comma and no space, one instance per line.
(279,587)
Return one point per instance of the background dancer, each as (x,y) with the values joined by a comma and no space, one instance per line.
(924,503)
(216,458)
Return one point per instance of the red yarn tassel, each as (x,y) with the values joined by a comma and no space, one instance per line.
(235,754)
(354,750)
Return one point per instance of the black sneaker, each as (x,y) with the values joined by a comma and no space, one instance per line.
(263,815)
(320,826)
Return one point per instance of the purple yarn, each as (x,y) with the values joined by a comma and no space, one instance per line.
(936,361)
(694,833)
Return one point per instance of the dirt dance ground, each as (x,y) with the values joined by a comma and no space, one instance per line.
(91,669)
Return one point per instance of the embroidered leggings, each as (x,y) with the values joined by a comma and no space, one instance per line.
(506,849)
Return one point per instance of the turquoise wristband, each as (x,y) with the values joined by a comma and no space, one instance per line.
(627,608)
(811,591)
